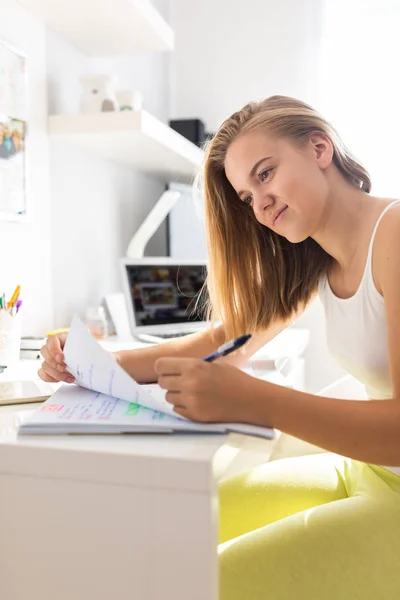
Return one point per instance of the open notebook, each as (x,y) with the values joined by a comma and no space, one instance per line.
(105,399)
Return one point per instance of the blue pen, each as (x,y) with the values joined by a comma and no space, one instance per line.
(227,348)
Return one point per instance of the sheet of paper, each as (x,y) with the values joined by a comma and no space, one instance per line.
(96,369)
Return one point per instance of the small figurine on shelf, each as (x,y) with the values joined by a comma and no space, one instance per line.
(98,94)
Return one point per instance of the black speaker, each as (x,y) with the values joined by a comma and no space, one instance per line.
(192,129)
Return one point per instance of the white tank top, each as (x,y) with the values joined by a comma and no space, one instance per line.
(356,331)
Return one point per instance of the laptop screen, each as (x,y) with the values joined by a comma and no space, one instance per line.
(165,293)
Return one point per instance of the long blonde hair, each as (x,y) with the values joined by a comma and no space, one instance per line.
(256,276)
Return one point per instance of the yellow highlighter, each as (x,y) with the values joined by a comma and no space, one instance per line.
(14,297)
(55,331)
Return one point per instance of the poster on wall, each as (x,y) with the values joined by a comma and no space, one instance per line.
(13,111)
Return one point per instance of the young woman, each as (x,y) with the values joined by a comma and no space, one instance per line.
(289,215)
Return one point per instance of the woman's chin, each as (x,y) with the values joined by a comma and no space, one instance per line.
(294,237)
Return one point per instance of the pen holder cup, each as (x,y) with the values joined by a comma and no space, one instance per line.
(10,338)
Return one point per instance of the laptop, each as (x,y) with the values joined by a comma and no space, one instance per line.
(162,297)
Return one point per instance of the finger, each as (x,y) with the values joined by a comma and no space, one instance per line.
(170,382)
(51,371)
(54,346)
(44,351)
(45,377)
(173,366)
(55,374)
(182,411)
(174,398)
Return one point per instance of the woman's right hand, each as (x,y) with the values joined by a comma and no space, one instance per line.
(53,368)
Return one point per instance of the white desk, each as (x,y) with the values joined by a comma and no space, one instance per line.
(127,517)
(109,517)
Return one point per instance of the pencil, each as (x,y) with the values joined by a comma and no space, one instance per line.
(14,296)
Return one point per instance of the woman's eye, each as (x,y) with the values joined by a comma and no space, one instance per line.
(247,200)
(264,174)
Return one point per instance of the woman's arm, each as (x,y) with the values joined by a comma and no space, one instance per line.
(364,430)
(140,363)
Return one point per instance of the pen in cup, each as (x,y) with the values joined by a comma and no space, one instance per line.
(227,348)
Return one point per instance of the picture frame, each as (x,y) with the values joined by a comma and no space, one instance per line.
(13,128)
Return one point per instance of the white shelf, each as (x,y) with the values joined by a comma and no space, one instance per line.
(134,138)
(105,27)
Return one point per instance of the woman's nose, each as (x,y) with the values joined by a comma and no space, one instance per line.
(261,202)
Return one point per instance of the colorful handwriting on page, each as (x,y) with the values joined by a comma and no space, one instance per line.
(134,409)
(96,369)
(79,405)
(51,407)
(87,382)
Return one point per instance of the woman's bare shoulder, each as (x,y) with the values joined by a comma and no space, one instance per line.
(389,224)
(387,241)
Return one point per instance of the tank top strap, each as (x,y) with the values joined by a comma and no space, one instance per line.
(383,213)
(368,267)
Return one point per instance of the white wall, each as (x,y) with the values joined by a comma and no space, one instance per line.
(228,53)
(66,257)
(96,205)
(25,248)
(365,64)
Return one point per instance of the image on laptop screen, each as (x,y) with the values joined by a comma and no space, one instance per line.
(165,294)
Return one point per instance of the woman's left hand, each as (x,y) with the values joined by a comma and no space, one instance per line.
(206,392)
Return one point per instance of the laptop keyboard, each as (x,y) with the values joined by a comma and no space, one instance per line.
(167,336)
(154,339)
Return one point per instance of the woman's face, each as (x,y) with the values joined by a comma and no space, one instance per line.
(283,184)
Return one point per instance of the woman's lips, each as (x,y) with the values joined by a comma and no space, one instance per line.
(279,216)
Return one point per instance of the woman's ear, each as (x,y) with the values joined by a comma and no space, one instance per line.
(322,149)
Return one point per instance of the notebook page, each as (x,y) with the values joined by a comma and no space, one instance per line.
(94,368)
(74,409)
